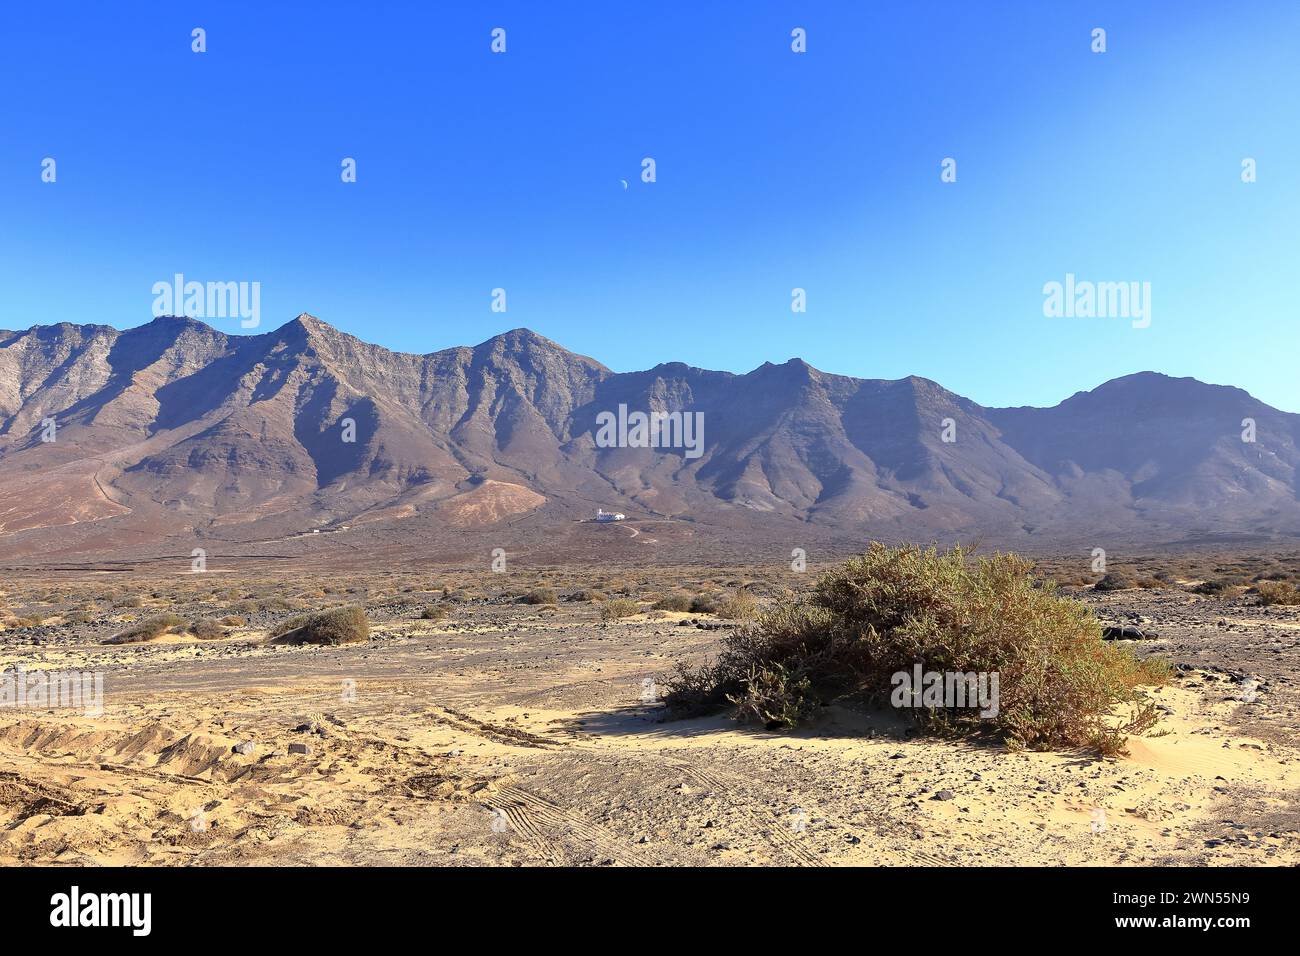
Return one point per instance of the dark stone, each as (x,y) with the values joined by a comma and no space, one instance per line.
(1126,632)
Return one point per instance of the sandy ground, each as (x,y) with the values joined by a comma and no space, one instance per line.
(508,736)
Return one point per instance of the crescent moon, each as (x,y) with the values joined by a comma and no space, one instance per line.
(624,182)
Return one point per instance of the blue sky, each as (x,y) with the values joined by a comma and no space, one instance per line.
(775,170)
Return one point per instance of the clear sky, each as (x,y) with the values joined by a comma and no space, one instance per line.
(775,170)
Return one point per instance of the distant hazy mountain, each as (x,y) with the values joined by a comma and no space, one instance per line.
(174,435)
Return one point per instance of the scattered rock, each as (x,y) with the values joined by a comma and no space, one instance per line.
(1126,632)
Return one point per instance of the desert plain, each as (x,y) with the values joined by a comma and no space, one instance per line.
(476,727)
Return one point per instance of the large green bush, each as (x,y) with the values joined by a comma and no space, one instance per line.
(1060,685)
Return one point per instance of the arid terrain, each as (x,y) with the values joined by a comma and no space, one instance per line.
(492,690)
(476,728)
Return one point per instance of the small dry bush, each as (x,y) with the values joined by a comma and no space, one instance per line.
(1216,587)
(1277,592)
(1060,684)
(1116,581)
(1122,580)
(737,606)
(680,601)
(1068,580)
(277,603)
(540,596)
(147,630)
(434,612)
(587,594)
(206,629)
(615,608)
(704,604)
(339,625)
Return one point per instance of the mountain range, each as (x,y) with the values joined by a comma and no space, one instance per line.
(174,435)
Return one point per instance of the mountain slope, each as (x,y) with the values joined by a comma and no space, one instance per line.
(174,433)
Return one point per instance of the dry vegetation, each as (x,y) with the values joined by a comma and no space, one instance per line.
(880,614)
(124,605)
(147,630)
(1207,572)
(615,608)
(473,687)
(340,625)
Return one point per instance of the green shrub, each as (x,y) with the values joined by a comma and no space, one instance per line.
(1059,683)
(339,625)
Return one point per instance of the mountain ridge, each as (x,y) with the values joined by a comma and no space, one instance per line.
(175,430)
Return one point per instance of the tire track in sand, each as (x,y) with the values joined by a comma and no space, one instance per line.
(536,819)
(777,832)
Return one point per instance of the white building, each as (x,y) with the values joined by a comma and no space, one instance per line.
(603,515)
